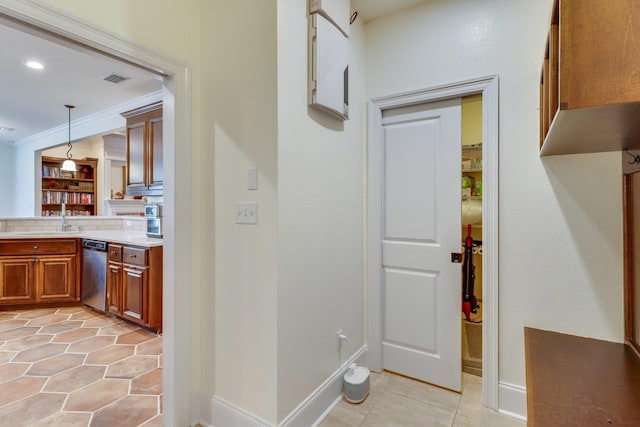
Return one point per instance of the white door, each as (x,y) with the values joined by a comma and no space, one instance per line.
(420,220)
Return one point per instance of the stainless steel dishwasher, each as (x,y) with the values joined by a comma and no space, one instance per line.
(94,274)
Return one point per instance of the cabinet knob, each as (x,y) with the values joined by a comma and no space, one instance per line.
(34,260)
(133,256)
(35,246)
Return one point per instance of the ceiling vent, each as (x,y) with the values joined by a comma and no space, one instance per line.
(115,78)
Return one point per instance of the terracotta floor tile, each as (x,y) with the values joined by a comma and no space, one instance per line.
(23,331)
(119,328)
(39,353)
(57,364)
(7,315)
(31,409)
(75,378)
(75,335)
(132,367)
(46,365)
(48,319)
(85,315)
(130,411)
(100,322)
(136,337)
(109,355)
(33,314)
(19,388)
(153,422)
(9,371)
(66,419)
(153,347)
(71,310)
(5,325)
(149,383)
(97,395)
(26,343)
(61,327)
(6,356)
(91,344)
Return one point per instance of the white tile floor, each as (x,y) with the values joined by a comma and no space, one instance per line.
(396,401)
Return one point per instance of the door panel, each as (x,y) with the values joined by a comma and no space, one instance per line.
(409,304)
(57,281)
(16,281)
(420,228)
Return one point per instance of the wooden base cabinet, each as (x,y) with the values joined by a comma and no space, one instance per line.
(134,284)
(34,271)
(16,280)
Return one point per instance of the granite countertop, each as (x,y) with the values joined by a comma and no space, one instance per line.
(126,237)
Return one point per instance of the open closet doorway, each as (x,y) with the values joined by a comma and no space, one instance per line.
(472,244)
(488,88)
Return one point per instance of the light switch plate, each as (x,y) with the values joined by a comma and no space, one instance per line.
(246,213)
(252,179)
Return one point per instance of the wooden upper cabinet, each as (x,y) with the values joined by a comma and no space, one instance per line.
(144,150)
(135,156)
(590,84)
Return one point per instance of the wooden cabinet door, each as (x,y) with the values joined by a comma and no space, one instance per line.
(16,280)
(134,304)
(156,175)
(114,288)
(136,157)
(56,278)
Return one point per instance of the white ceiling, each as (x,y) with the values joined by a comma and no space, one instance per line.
(33,100)
(370,10)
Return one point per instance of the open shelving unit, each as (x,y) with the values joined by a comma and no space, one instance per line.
(77,190)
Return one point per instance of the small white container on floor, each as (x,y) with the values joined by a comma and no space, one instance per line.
(356,383)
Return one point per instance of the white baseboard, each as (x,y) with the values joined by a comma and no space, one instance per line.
(319,403)
(310,412)
(512,400)
(226,414)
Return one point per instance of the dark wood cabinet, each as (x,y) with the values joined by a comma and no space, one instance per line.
(39,271)
(134,293)
(16,280)
(56,278)
(134,284)
(589,90)
(144,150)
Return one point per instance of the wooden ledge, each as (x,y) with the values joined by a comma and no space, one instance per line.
(575,381)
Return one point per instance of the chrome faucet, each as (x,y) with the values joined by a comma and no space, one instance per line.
(64,225)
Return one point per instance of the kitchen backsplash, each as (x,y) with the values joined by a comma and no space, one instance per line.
(77,224)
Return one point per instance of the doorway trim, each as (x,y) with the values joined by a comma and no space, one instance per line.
(488,87)
(176,95)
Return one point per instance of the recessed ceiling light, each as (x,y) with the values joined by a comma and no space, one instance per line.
(35,65)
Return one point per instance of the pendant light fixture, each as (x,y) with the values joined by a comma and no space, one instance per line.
(69,165)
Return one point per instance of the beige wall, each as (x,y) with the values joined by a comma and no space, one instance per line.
(239,59)
(320,218)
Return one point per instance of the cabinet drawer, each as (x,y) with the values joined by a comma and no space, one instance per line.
(37,247)
(115,253)
(135,256)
